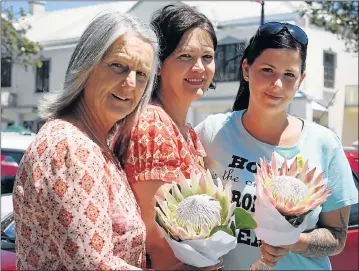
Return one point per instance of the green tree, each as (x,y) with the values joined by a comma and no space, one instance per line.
(15,46)
(338,17)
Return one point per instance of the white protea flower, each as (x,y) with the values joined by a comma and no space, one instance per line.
(292,191)
(191,209)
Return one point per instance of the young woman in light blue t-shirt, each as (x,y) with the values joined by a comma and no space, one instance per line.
(271,71)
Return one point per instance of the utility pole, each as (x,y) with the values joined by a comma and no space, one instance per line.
(262,12)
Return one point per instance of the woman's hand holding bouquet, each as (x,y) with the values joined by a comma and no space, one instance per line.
(285,199)
(196,218)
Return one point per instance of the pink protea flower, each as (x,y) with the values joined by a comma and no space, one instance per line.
(291,191)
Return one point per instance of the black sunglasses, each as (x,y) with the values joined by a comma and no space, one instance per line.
(273,28)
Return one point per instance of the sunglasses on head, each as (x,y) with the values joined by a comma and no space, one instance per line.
(273,28)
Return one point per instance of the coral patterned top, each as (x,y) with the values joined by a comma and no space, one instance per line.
(158,150)
(74,209)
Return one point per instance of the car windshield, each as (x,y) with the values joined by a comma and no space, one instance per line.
(16,155)
(9,231)
(9,159)
(8,228)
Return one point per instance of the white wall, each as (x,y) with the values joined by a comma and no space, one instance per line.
(144,9)
(301,108)
(347,64)
(346,73)
(224,89)
(202,108)
(215,101)
(24,81)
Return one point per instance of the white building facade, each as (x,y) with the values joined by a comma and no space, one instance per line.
(332,73)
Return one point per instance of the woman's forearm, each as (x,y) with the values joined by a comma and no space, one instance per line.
(322,242)
(161,254)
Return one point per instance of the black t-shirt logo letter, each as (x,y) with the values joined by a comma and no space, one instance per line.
(240,162)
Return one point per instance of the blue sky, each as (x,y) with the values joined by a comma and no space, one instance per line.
(50,5)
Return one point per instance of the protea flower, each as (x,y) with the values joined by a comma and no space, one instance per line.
(291,191)
(192,209)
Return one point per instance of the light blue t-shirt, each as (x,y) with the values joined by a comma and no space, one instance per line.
(232,156)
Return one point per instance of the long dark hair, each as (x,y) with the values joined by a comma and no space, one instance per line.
(170,23)
(257,44)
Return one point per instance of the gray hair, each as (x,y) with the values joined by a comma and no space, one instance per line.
(99,35)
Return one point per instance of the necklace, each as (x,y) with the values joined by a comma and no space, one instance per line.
(100,142)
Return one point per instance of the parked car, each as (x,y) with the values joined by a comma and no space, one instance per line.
(15,144)
(8,255)
(353,158)
(8,260)
(8,172)
(13,147)
(8,165)
(348,259)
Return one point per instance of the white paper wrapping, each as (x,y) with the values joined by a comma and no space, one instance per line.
(202,252)
(273,228)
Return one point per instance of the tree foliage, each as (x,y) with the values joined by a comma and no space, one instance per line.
(338,17)
(15,46)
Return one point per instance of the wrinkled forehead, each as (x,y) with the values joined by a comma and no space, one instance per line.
(129,39)
(134,48)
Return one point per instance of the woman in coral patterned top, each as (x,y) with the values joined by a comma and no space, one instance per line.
(74,209)
(162,144)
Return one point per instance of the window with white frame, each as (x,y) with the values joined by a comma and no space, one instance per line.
(329,63)
(43,77)
(227,59)
(6,72)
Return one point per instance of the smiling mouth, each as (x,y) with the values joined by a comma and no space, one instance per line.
(195,81)
(119,98)
(273,97)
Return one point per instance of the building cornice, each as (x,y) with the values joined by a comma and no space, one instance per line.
(60,44)
(256,20)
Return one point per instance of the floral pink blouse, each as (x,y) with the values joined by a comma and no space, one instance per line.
(74,209)
(158,151)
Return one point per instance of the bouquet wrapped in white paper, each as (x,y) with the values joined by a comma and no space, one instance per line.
(285,199)
(195,218)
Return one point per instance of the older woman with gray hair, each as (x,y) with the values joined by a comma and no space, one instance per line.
(74,208)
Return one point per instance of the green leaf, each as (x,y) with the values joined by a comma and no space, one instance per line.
(224,228)
(233,228)
(337,17)
(14,41)
(244,219)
